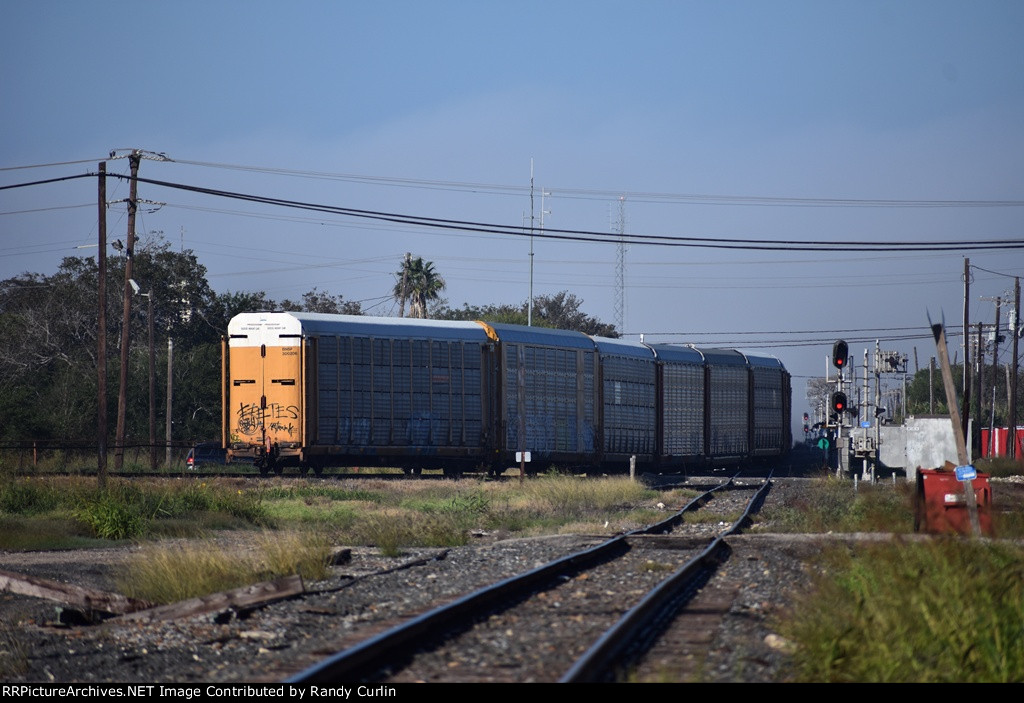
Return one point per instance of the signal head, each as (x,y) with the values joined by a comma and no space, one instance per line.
(840,352)
(839,402)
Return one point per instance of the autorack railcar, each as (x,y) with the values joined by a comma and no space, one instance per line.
(314,390)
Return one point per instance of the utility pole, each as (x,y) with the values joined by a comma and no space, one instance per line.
(122,394)
(170,395)
(152,384)
(961,445)
(965,415)
(620,268)
(931,386)
(979,378)
(878,401)
(995,378)
(1011,442)
(101,332)
(529,304)
(405,283)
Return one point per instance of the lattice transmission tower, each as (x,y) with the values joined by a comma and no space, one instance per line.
(619,226)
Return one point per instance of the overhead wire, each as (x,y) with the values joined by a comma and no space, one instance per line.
(579,235)
(604,194)
(602,237)
(47,209)
(810,342)
(55,163)
(997,273)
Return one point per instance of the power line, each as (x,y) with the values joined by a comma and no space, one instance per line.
(578,235)
(811,342)
(56,163)
(599,194)
(814,331)
(48,180)
(47,209)
(600,237)
(997,273)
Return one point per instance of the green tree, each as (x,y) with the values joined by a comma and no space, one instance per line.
(561,311)
(919,397)
(819,392)
(418,282)
(48,344)
(322,301)
(226,305)
(504,313)
(48,351)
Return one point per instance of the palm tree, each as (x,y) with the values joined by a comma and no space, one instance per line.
(419,283)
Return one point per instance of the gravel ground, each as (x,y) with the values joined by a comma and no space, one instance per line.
(765,575)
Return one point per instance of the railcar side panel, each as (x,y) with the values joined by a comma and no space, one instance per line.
(769,409)
(728,404)
(408,394)
(557,399)
(627,384)
(681,409)
(546,379)
(628,406)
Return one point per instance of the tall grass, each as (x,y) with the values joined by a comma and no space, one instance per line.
(940,611)
(166,573)
(998,467)
(573,497)
(13,652)
(390,514)
(834,505)
(397,515)
(125,509)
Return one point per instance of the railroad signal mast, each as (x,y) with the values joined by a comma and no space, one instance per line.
(839,405)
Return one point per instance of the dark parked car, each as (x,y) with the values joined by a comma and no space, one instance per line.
(205,453)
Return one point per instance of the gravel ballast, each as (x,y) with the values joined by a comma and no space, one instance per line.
(765,575)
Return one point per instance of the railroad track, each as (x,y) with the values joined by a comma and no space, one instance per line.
(587,616)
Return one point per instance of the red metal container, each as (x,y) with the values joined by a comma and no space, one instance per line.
(941,503)
(994,443)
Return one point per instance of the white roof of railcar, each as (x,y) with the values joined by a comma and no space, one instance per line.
(267,327)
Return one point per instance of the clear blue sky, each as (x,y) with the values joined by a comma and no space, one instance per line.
(845,100)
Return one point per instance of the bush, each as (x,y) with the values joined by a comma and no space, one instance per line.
(834,505)
(28,497)
(110,518)
(938,611)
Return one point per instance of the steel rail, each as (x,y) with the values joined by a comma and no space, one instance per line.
(374,653)
(659,605)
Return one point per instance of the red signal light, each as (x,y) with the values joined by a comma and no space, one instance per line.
(838,402)
(840,351)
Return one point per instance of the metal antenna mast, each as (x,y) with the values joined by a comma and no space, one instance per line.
(529,304)
(620,268)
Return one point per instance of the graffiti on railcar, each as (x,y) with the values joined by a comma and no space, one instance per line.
(251,417)
(279,427)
